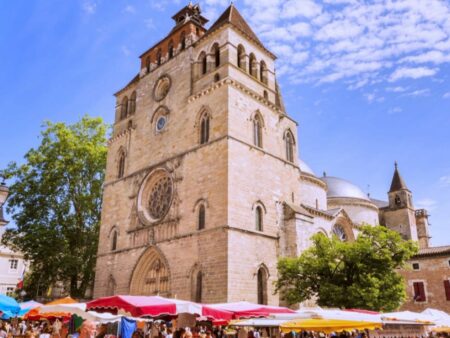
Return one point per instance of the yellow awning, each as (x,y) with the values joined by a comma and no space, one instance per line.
(327,325)
(441,329)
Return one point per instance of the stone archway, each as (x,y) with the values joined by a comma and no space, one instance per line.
(151,275)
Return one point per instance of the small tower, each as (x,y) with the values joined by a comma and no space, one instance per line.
(422,228)
(399,195)
(400,214)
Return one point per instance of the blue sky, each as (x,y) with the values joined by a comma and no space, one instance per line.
(368,81)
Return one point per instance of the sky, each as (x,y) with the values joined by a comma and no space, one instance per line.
(368,81)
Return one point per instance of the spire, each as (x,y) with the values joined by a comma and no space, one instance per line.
(397,181)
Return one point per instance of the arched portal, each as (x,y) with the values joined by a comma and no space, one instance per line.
(151,275)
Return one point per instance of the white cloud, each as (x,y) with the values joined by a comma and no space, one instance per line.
(395,110)
(412,73)
(445,181)
(125,50)
(149,23)
(398,89)
(426,203)
(446,95)
(305,8)
(89,7)
(130,9)
(419,92)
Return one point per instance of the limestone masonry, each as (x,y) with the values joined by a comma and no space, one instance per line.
(204,190)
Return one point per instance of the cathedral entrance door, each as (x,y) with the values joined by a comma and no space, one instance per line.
(150,275)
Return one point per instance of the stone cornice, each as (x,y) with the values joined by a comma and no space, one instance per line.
(244,89)
(313,179)
(352,201)
(196,234)
(123,133)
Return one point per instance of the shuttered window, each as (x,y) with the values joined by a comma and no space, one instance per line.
(447,289)
(419,292)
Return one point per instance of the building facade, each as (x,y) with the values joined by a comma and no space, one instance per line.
(12,267)
(199,128)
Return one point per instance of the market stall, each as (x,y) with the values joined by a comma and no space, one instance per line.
(249,310)
(35,314)
(155,306)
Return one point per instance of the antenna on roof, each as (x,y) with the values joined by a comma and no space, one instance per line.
(395,165)
(324,174)
(368,190)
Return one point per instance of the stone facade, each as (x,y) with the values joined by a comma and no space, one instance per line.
(203,189)
(431,268)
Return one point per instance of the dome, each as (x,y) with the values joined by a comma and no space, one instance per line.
(338,187)
(305,168)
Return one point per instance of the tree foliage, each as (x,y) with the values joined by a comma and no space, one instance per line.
(360,274)
(55,202)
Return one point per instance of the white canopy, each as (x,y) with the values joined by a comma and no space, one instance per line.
(79,309)
(407,316)
(440,318)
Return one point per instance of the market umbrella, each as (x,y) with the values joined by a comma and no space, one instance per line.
(8,307)
(156,306)
(35,314)
(327,325)
(441,320)
(249,310)
(25,307)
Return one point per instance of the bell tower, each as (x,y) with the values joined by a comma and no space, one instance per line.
(400,214)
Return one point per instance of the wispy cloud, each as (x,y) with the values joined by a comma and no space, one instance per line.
(125,50)
(412,73)
(446,95)
(89,6)
(418,92)
(445,181)
(426,203)
(129,9)
(395,110)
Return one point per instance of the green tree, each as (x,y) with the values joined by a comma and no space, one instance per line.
(55,202)
(360,274)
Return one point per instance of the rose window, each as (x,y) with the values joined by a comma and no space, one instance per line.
(155,196)
(160,197)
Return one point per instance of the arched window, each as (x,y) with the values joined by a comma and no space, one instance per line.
(148,63)
(339,231)
(262,286)
(124,108)
(198,287)
(170,50)
(132,103)
(253,65)
(257,131)
(289,141)
(216,51)
(201,217)
(121,166)
(112,286)
(204,129)
(259,218)
(398,200)
(203,62)
(183,40)
(241,57)
(263,72)
(266,95)
(114,240)
(159,57)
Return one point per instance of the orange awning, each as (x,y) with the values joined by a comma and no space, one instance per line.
(35,314)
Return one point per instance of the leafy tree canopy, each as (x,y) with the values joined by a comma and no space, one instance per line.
(55,202)
(360,274)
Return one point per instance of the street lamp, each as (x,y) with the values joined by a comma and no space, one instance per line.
(4,191)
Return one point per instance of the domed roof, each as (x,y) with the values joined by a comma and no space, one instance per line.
(338,187)
(305,168)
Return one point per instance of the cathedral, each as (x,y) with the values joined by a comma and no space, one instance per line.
(204,189)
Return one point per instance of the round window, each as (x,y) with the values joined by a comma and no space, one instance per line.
(161,88)
(155,196)
(161,123)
